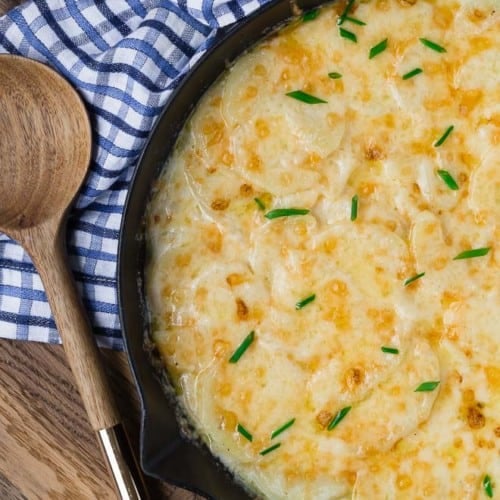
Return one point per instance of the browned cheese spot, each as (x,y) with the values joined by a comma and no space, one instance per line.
(403,481)
(220,204)
(241,309)
(235,279)
(353,378)
(478,15)
(213,238)
(350,476)
(374,152)
(475,418)
(213,131)
(324,417)
(340,5)
(246,190)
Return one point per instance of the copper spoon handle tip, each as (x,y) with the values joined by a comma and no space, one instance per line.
(122,464)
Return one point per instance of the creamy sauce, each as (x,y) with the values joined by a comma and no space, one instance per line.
(220,269)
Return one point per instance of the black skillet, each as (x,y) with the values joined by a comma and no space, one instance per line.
(164,453)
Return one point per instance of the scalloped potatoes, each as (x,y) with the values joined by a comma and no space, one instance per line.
(344,211)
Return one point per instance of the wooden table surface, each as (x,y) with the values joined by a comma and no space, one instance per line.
(47,448)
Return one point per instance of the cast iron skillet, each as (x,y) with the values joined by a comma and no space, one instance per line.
(164,453)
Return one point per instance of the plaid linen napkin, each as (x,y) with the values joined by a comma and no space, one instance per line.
(124,58)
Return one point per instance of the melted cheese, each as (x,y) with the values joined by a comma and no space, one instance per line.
(219,269)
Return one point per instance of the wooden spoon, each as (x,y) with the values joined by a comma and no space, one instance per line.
(45,147)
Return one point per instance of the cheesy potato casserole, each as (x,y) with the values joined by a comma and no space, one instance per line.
(324,271)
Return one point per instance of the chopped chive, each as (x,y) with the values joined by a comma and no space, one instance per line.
(389,350)
(443,138)
(260,203)
(488,486)
(305,97)
(427,386)
(244,433)
(339,417)
(412,73)
(432,45)
(285,212)
(448,179)
(283,428)
(344,14)
(334,75)
(303,303)
(353,20)
(348,34)
(354,207)
(413,278)
(242,347)
(270,449)
(311,15)
(377,49)
(471,254)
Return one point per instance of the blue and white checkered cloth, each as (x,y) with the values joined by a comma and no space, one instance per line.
(124,57)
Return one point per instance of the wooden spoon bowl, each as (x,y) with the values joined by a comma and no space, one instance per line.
(45,147)
(45,144)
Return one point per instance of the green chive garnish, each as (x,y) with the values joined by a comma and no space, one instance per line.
(427,386)
(353,20)
(488,486)
(354,207)
(242,348)
(305,97)
(260,203)
(344,14)
(311,15)
(413,278)
(471,254)
(339,417)
(334,75)
(348,34)
(432,45)
(448,179)
(377,49)
(443,138)
(303,303)
(412,73)
(283,428)
(390,350)
(285,212)
(270,449)
(244,433)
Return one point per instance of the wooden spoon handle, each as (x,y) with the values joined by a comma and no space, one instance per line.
(50,259)
(74,327)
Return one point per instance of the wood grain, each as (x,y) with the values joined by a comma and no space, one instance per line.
(48,448)
(45,439)
(5,6)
